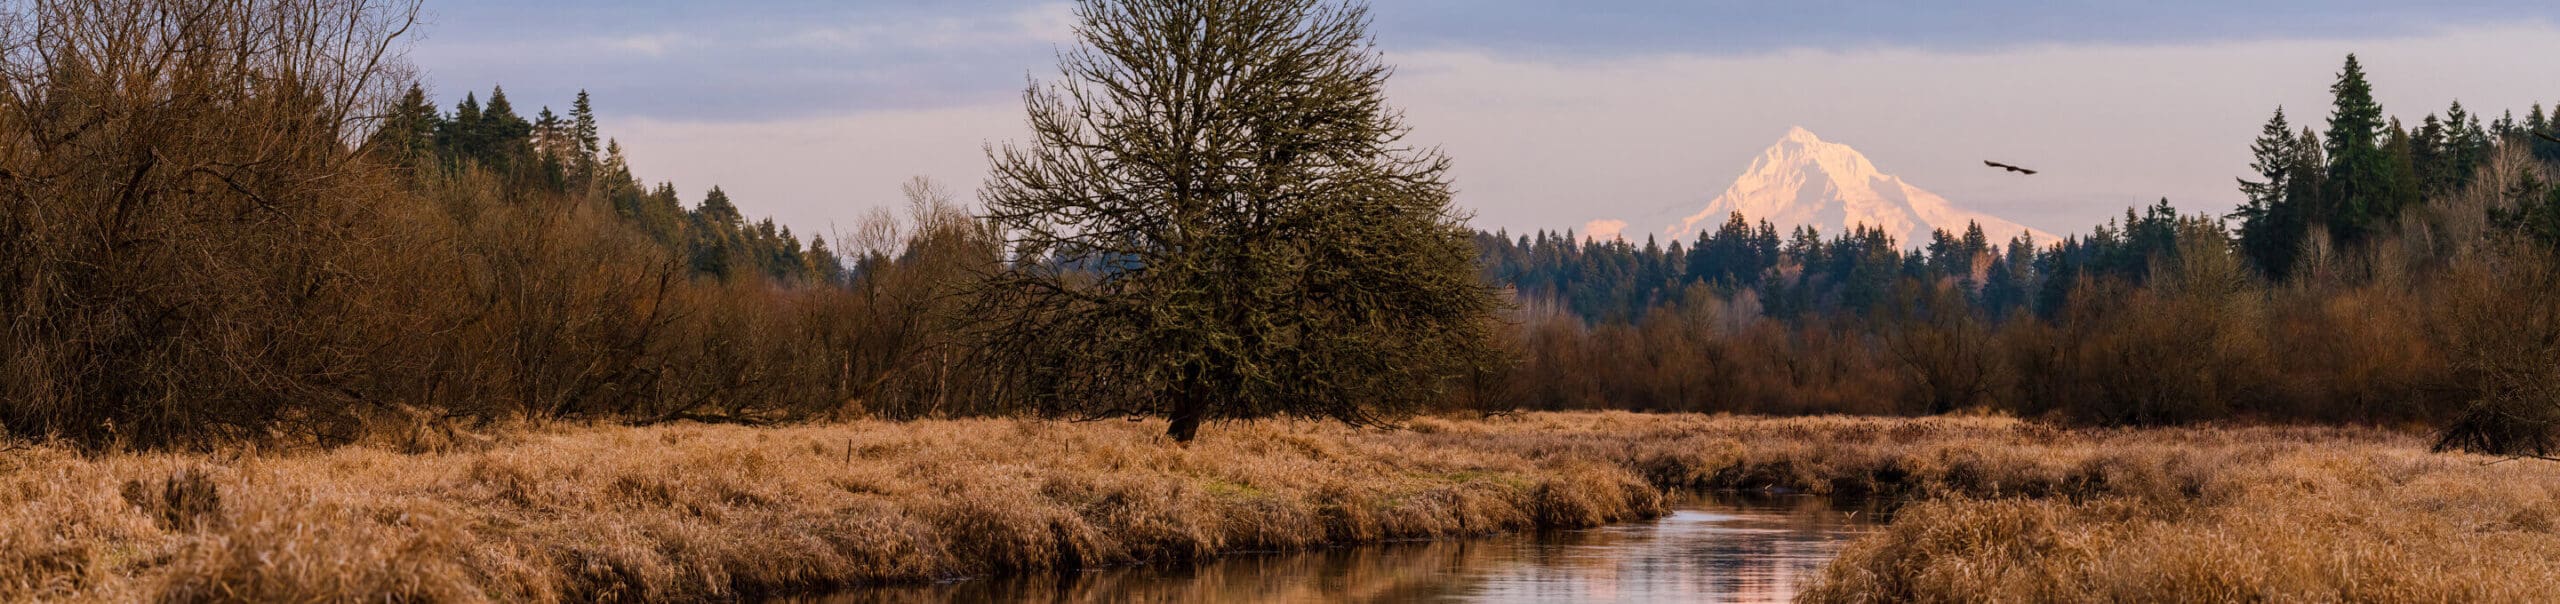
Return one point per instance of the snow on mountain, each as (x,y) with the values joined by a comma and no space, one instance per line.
(1804,180)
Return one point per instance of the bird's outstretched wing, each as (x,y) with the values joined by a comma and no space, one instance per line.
(2546,136)
(2008,167)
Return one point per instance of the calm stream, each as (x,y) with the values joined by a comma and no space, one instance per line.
(1711,548)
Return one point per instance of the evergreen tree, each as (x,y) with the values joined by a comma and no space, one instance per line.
(2467,145)
(2538,123)
(716,234)
(1942,254)
(1977,257)
(2271,220)
(582,117)
(548,155)
(408,132)
(718,212)
(822,263)
(2404,187)
(548,134)
(503,135)
(2012,279)
(2309,177)
(2430,151)
(1729,256)
(2360,191)
(461,135)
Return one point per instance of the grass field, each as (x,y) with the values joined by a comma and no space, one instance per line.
(690,512)
(2003,508)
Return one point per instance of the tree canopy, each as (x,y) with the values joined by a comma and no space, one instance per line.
(1218,217)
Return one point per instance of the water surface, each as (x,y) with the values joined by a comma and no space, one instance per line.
(1711,548)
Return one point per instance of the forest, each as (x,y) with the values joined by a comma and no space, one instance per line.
(278,322)
(379,260)
(2376,275)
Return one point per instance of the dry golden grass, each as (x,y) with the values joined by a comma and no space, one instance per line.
(702,512)
(2015,511)
(2008,510)
(2216,515)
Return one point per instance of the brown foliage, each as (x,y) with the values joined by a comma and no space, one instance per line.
(187,247)
(2501,332)
(196,249)
(2455,340)
(1709,355)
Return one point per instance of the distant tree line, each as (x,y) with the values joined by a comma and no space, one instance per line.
(226,221)
(1806,275)
(2375,274)
(561,155)
(278,240)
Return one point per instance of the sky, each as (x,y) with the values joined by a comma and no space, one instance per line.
(1556,114)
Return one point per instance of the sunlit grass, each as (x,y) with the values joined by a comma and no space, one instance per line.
(684,512)
(2002,508)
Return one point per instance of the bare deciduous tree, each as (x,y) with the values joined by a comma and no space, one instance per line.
(183,226)
(1218,217)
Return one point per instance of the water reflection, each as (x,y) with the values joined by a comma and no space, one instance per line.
(1720,548)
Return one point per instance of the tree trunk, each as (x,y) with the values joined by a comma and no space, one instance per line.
(1187,415)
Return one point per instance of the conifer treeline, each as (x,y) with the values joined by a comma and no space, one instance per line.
(562,155)
(2360,284)
(2308,194)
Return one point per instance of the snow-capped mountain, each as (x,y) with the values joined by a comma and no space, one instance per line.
(1804,180)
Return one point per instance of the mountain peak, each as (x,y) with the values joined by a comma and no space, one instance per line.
(1803,180)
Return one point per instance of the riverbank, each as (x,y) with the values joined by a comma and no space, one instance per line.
(2004,510)
(715,512)
(2241,515)
(2015,511)
(704,512)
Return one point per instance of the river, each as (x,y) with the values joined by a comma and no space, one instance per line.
(1712,548)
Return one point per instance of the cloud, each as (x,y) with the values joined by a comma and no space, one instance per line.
(1053,22)
(816,134)
(1546,29)
(751,61)
(1033,25)
(1604,230)
(653,45)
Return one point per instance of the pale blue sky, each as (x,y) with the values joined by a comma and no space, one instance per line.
(1556,112)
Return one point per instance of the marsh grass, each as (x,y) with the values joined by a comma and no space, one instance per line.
(2214,515)
(2009,511)
(710,512)
(2002,508)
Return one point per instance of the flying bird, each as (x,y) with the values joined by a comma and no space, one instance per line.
(2009,167)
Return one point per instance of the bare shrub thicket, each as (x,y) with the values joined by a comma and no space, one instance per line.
(200,245)
(551,307)
(2501,331)
(189,246)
